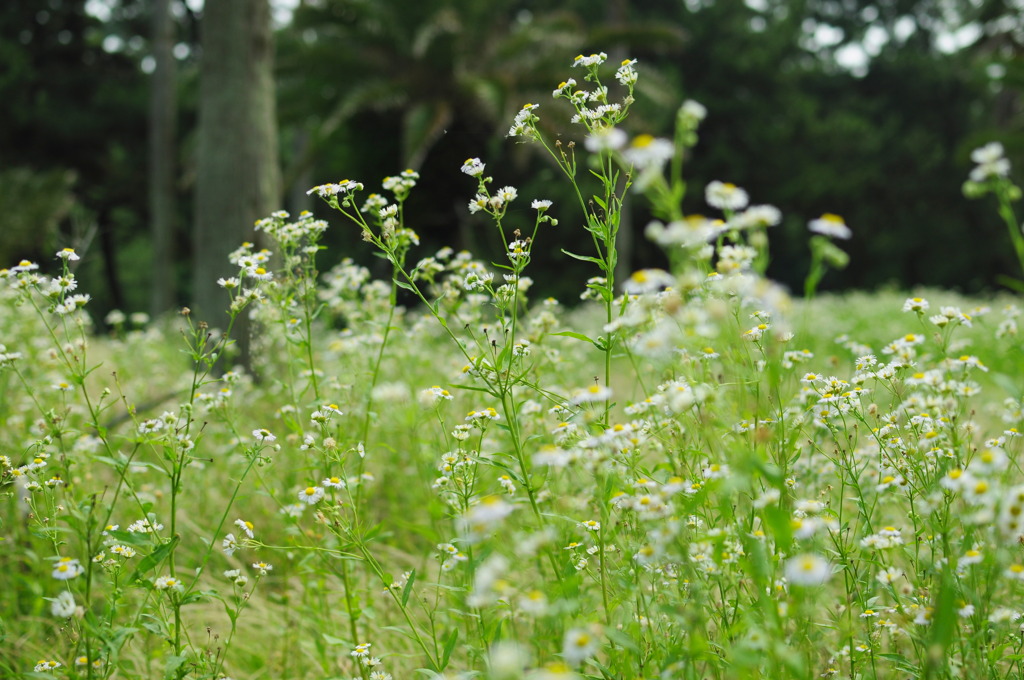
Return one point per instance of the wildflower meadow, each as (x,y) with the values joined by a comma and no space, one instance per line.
(685,473)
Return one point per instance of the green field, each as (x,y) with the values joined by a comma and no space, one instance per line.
(689,475)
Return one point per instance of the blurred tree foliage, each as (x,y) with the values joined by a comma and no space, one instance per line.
(886,150)
(370,88)
(367,88)
(76,111)
(33,205)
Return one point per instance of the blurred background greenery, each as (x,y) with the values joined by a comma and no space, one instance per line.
(119,138)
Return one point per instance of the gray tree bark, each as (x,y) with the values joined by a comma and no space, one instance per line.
(163,123)
(238,178)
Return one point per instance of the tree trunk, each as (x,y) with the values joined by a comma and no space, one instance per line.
(238,178)
(108,246)
(162,158)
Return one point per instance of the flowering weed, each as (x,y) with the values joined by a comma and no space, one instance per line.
(689,475)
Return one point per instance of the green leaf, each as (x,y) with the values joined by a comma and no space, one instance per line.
(513,474)
(154,625)
(780,524)
(118,465)
(944,619)
(757,559)
(117,639)
(172,666)
(1010,282)
(606,672)
(503,355)
(331,640)
(901,662)
(584,258)
(401,631)
(407,590)
(152,560)
(201,596)
(453,589)
(406,286)
(372,532)
(578,336)
(130,538)
(231,612)
(623,640)
(146,464)
(473,388)
(449,646)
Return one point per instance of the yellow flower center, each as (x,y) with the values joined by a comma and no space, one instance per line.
(643,141)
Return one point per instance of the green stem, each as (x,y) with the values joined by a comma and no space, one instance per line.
(393,301)
(376,569)
(308,321)
(1006,212)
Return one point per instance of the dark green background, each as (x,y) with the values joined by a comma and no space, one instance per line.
(366,88)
